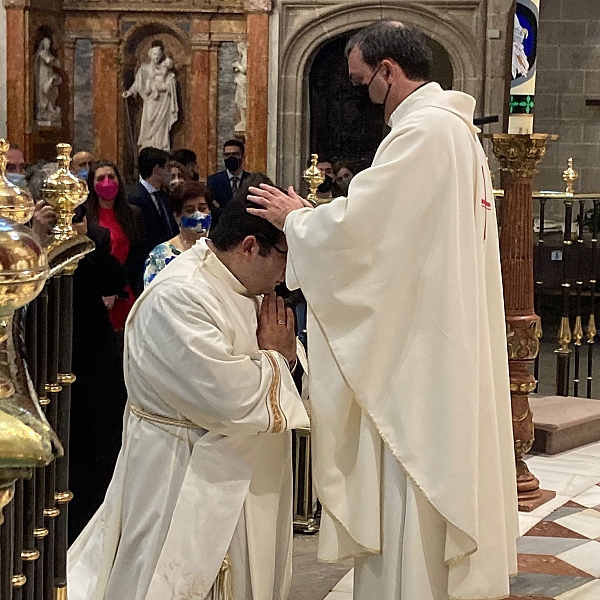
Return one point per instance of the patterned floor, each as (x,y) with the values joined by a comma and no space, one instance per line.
(559,553)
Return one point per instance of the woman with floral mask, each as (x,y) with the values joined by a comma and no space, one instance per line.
(191,203)
(108,207)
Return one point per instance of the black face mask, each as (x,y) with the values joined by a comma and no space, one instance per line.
(368,85)
(232,164)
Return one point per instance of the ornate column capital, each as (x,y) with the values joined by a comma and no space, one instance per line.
(519,154)
(16,4)
(253,6)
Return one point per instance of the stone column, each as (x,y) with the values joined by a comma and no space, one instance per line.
(518,156)
(107,95)
(213,107)
(258,82)
(199,92)
(17,70)
(69,69)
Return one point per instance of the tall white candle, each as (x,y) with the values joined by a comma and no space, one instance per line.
(523,67)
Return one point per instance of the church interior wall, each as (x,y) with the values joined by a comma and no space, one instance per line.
(3,115)
(299,29)
(568,75)
(100,44)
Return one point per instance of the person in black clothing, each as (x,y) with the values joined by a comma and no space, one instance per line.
(189,160)
(151,197)
(98,395)
(224,184)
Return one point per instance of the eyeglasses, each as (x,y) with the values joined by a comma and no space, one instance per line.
(265,242)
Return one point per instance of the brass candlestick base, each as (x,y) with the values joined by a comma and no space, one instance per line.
(518,156)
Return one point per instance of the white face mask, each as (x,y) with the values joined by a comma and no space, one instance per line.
(199,222)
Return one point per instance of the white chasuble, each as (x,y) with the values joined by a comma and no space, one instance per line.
(205,471)
(412,433)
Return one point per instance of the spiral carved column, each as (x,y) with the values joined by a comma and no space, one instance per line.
(518,156)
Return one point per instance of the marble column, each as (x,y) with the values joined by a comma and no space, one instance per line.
(199,92)
(3,133)
(213,107)
(258,83)
(17,69)
(518,156)
(69,69)
(107,95)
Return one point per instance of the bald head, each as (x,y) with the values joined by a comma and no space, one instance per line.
(82,161)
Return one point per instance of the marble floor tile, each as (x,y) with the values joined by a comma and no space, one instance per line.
(586,522)
(533,584)
(585,557)
(563,483)
(590,498)
(547,565)
(563,511)
(549,507)
(346,584)
(552,529)
(526,522)
(569,462)
(546,545)
(588,591)
(339,596)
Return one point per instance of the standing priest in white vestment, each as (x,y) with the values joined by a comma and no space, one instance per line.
(413,451)
(200,505)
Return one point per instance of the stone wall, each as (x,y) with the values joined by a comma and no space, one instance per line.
(568,73)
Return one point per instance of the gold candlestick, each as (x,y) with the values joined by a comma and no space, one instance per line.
(314,177)
(64,193)
(570,176)
(15,203)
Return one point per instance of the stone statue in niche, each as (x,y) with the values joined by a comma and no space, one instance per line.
(241,81)
(47,83)
(156,85)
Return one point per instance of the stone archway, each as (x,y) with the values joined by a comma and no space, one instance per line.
(300,31)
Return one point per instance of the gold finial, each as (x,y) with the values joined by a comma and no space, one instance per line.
(570,176)
(15,203)
(578,331)
(564,336)
(314,177)
(64,193)
(591,329)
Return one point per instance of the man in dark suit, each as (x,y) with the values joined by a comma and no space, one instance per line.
(152,199)
(224,184)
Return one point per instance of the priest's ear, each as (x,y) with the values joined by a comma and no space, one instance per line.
(250,245)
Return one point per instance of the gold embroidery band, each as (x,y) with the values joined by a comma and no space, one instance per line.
(278,415)
(223,587)
(162,420)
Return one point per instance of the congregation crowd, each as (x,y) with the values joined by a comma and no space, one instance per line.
(137,229)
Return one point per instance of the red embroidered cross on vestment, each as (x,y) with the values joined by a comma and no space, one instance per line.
(485,203)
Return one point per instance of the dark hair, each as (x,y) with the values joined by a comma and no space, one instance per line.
(121,206)
(188,190)
(173,164)
(149,158)
(236,223)
(401,43)
(184,156)
(339,165)
(237,143)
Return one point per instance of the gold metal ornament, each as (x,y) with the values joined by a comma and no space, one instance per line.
(64,192)
(570,176)
(519,154)
(16,203)
(314,177)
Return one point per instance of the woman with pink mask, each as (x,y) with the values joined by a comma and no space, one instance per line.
(108,207)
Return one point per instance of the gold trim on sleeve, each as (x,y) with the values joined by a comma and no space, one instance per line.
(273,396)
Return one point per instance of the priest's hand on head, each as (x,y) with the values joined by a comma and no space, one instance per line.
(276,327)
(276,205)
